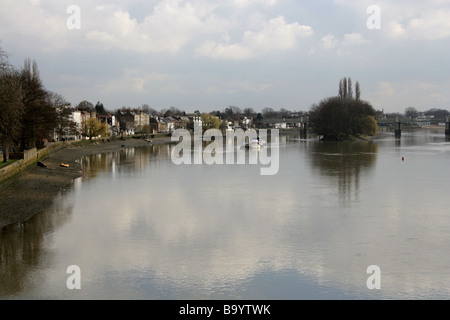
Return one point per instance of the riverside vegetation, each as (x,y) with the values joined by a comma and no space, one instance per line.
(345,116)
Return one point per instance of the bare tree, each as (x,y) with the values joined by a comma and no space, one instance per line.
(349,88)
(86,106)
(4,64)
(341,88)
(437,113)
(284,114)
(57,100)
(145,108)
(163,111)
(268,113)
(174,111)
(344,87)
(153,112)
(232,113)
(149,110)
(249,112)
(357,91)
(411,112)
(64,115)
(11,110)
(39,118)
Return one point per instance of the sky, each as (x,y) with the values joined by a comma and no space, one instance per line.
(208,55)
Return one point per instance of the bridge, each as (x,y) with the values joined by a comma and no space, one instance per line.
(302,123)
(394,124)
(398,123)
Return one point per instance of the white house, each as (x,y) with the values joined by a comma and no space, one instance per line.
(76,117)
(281,125)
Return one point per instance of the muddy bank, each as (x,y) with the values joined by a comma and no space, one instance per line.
(33,191)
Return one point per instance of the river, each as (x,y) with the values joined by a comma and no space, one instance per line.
(140,227)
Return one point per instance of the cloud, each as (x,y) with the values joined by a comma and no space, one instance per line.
(233,51)
(173,24)
(130,82)
(351,39)
(342,46)
(438,98)
(238,86)
(329,41)
(412,20)
(170,26)
(247,3)
(409,93)
(275,35)
(137,81)
(432,24)
(386,89)
(34,26)
(396,29)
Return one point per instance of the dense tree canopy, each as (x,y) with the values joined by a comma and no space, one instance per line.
(437,113)
(411,112)
(39,117)
(95,128)
(86,106)
(338,117)
(100,108)
(11,110)
(210,121)
(29,114)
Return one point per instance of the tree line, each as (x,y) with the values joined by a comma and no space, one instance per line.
(31,114)
(412,112)
(28,113)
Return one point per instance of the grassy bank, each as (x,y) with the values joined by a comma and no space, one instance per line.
(11,161)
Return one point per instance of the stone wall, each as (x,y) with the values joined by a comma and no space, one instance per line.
(12,169)
(30,154)
(30,159)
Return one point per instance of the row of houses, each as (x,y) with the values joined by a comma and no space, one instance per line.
(80,118)
(132,122)
(123,122)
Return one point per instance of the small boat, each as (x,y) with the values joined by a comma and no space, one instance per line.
(256,143)
(64,165)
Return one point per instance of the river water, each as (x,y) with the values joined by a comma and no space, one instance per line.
(140,227)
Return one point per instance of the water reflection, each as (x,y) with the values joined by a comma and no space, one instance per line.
(23,246)
(209,232)
(128,159)
(142,228)
(343,164)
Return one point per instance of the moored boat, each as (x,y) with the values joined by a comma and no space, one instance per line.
(255,143)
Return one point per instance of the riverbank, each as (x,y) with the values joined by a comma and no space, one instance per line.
(32,191)
(346,138)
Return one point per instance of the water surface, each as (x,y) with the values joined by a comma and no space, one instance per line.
(140,227)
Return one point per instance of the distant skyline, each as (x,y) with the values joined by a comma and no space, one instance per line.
(208,55)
